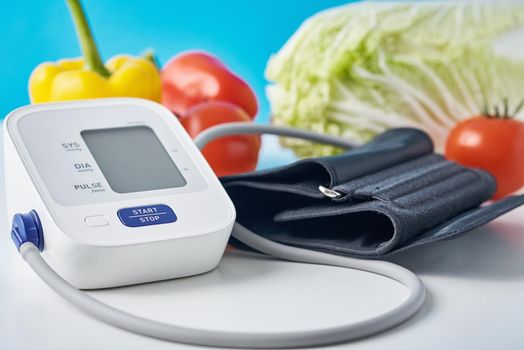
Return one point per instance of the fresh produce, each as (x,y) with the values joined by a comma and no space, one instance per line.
(203,92)
(359,69)
(194,77)
(493,141)
(88,77)
(227,155)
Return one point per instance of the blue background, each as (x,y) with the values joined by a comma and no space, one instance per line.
(242,33)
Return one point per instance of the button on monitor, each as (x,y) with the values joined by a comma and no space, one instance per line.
(96,221)
(147,215)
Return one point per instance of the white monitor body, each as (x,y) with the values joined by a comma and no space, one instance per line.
(123,194)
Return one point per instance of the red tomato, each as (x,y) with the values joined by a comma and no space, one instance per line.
(195,77)
(493,144)
(228,155)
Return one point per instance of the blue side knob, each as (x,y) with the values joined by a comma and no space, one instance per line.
(27,228)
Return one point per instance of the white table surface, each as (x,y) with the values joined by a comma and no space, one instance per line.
(475,287)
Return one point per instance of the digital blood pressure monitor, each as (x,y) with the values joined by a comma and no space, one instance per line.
(123,194)
(113,192)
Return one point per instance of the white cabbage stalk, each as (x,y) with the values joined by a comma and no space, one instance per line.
(357,70)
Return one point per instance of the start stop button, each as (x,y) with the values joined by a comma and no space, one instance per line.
(147,215)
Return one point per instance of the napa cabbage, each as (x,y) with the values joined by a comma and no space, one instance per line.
(357,70)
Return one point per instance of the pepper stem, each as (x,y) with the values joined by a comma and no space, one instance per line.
(150,55)
(90,52)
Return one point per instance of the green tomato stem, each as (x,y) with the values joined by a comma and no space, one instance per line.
(519,107)
(90,52)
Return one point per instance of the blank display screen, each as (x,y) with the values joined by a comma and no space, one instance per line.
(132,159)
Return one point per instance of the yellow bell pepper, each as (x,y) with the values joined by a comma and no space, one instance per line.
(88,77)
